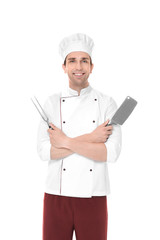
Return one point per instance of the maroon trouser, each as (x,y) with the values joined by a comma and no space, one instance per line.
(87,216)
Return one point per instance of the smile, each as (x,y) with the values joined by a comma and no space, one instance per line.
(78,74)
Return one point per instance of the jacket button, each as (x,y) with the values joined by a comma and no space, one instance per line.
(93,121)
(95,99)
(64,122)
(63,100)
(90,170)
(64,169)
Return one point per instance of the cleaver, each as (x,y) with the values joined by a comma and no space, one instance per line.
(123,112)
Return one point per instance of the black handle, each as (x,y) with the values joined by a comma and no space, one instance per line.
(108,124)
(51,127)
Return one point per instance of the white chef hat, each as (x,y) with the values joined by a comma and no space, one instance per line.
(74,43)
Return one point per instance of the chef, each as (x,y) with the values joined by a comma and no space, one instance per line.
(78,149)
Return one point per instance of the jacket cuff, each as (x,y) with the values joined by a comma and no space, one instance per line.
(44,152)
(113,151)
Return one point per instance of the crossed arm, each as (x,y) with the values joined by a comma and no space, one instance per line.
(90,145)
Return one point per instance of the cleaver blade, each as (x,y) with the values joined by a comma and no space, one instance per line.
(124,111)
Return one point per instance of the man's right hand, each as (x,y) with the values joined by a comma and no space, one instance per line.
(101,133)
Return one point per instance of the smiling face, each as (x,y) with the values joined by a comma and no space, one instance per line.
(78,68)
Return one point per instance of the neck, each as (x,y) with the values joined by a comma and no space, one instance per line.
(78,88)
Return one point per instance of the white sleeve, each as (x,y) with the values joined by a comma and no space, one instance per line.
(113,144)
(43,141)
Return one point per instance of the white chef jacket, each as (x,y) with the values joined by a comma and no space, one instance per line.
(76,175)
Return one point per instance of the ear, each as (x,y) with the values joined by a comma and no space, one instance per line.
(92,68)
(64,68)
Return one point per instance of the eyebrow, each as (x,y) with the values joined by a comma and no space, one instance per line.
(75,58)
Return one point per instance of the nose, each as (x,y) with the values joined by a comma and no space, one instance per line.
(78,65)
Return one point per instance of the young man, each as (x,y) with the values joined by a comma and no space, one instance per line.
(77,148)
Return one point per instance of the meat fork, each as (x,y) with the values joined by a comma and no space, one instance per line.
(41,111)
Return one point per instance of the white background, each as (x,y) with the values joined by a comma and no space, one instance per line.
(127,62)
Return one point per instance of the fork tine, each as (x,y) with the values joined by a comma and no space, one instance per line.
(38,110)
(44,115)
(41,108)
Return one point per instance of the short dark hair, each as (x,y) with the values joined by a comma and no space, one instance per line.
(66,59)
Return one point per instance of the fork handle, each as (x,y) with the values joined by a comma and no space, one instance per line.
(51,127)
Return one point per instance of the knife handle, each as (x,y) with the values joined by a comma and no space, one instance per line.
(109,124)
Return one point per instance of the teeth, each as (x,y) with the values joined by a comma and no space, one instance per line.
(77,74)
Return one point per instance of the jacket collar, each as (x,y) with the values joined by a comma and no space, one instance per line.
(69,92)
